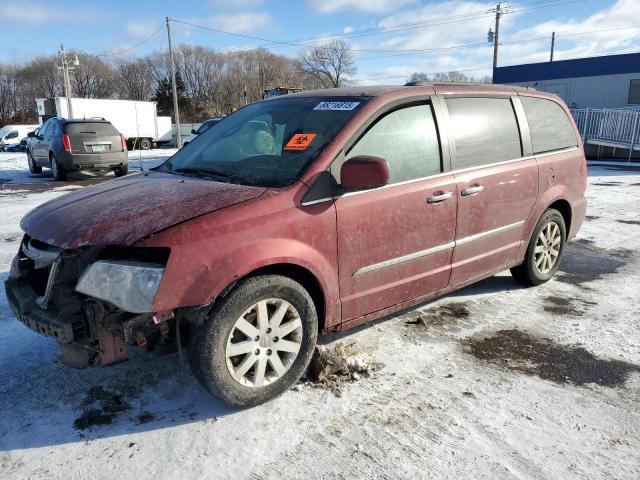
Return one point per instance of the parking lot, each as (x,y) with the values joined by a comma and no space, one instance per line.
(493,381)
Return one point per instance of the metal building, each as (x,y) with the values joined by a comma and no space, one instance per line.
(611,81)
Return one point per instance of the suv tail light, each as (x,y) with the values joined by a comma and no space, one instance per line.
(123,143)
(66,143)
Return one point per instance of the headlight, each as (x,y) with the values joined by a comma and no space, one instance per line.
(130,286)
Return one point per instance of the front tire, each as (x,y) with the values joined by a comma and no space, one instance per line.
(145,144)
(33,168)
(257,342)
(545,250)
(58,171)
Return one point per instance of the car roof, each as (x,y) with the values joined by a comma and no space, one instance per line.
(379,90)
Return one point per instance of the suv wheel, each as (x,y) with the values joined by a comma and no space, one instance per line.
(33,168)
(257,342)
(58,172)
(121,171)
(544,252)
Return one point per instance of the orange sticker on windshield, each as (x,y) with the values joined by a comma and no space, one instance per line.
(300,141)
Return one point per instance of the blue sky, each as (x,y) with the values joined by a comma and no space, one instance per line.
(35,27)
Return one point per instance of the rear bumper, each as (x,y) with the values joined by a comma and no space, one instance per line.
(93,161)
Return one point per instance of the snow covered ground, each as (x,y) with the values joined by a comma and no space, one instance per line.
(495,381)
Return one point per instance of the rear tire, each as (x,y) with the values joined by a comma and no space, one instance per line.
(121,171)
(257,342)
(544,251)
(33,168)
(145,144)
(57,170)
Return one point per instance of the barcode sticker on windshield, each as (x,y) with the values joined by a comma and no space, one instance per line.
(336,105)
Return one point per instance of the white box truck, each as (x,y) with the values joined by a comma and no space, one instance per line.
(137,121)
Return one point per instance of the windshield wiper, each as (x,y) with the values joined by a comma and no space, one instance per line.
(203,172)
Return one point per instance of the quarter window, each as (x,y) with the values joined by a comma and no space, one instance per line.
(549,125)
(485,131)
(407,139)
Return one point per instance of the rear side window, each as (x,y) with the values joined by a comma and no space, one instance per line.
(407,139)
(90,128)
(549,125)
(485,131)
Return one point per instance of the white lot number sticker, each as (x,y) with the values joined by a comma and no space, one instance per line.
(336,105)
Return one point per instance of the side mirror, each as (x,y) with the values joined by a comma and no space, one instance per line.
(31,134)
(364,171)
(193,130)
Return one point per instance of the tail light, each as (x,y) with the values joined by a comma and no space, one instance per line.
(66,143)
(123,143)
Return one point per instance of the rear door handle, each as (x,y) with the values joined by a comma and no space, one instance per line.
(471,190)
(441,197)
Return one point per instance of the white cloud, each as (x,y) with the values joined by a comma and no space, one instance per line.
(239,22)
(33,13)
(234,3)
(140,29)
(369,6)
(348,29)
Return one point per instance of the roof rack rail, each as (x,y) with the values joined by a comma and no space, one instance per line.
(427,83)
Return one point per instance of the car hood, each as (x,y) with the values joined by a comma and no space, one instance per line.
(124,211)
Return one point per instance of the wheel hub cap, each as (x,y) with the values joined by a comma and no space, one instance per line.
(264,342)
(547,249)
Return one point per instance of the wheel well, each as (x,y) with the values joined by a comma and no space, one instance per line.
(301,275)
(565,210)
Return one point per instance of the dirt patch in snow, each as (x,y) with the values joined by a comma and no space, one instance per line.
(592,217)
(629,222)
(608,184)
(440,316)
(566,306)
(583,262)
(333,366)
(100,407)
(525,353)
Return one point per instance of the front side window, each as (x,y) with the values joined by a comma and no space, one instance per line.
(407,139)
(485,131)
(549,125)
(11,135)
(267,143)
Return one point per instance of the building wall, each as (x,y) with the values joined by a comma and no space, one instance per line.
(604,91)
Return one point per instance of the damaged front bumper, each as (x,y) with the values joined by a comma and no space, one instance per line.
(42,293)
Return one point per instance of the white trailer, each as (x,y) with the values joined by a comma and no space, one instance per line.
(137,121)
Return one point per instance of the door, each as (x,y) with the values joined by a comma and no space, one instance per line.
(497,186)
(395,242)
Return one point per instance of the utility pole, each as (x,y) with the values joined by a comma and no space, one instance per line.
(65,74)
(496,36)
(553,44)
(174,87)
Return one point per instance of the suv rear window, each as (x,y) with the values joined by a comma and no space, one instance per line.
(94,128)
(485,130)
(549,126)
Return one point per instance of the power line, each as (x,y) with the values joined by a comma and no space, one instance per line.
(126,50)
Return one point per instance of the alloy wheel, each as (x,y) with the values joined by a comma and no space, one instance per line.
(264,342)
(547,250)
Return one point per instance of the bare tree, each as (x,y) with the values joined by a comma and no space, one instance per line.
(418,77)
(135,79)
(454,77)
(93,78)
(330,63)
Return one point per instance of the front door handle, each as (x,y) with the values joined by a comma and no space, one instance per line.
(471,190)
(440,197)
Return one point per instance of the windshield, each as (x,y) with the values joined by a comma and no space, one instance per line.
(266,143)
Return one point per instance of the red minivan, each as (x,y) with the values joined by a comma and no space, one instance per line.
(301,215)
